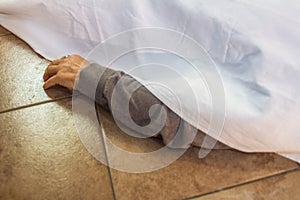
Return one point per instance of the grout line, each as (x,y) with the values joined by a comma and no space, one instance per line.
(242,184)
(97,114)
(34,104)
(105,153)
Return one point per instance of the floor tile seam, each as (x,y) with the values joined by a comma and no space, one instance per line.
(34,104)
(244,183)
(102,135)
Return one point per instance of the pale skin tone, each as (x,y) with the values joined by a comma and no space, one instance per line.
(64,71)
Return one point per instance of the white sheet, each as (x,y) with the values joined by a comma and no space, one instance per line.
(254,44)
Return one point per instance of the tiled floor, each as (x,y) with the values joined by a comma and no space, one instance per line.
(21,75)
(42,157)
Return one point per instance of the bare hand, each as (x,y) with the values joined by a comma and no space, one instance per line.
(64,71)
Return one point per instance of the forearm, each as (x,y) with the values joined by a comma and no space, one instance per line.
(140,102)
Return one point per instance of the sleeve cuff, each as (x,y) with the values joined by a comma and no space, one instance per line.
(91,82)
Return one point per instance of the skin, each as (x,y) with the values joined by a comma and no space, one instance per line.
(64,71)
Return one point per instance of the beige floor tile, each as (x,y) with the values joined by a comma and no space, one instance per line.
(3,31)
(276,188)
(21,74)
(41,157)
(188,176)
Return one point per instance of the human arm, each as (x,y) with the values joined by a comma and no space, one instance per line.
(66,71)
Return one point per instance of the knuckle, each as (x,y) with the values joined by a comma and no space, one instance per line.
(60,74)
(74,68)
(64,66)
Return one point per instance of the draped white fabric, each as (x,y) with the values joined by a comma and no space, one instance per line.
(255,45)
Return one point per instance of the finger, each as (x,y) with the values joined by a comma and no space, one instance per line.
(50,71)
(57,61)
(63,79)
(54,80)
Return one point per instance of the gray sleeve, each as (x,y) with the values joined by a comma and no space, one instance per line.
(98,82)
